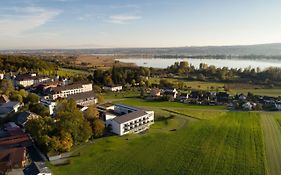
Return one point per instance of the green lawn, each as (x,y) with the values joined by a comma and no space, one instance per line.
(164,104)
(272,138)
(230,143)
(268,92)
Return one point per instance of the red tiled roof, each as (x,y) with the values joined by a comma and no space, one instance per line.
(13,157)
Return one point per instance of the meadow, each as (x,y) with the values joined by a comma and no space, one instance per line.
(219,142)
(64,72)
(218,86)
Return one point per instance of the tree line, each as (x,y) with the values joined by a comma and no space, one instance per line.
(23,64)
(67,128)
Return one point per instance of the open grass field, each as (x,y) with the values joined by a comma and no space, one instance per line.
(267,92)
(272,138)
(191,84)
(164,104)
(71,72)
(233,88)
(100,61)
(226,143)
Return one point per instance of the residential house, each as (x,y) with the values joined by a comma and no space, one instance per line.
(113,88)
(13,143)
(24,117)
(155,92)
(4,99)
(51,105)
(42,87)
(37,168)
(170,92)
(13,136)
(12,158)
(183,96)
(85,98)
(242,97)
(222,97)
(8,108)
(248,106)
(122,119)
(277,106)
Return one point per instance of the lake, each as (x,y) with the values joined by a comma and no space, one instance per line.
(231,63)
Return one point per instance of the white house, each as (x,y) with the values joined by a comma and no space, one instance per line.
(1,76)
(126,119)
(9,107)
(249,106)
(183,96)
(171,92)
(24,117)
(112,88)
(278,106)
(51,105)
(65,91)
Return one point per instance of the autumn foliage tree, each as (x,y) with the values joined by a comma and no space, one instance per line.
(98,128)
(60,134)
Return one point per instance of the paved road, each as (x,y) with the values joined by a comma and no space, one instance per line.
(272,138)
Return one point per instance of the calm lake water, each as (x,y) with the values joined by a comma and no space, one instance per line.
(231,63)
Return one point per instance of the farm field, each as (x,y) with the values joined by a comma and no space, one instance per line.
(71,72)
(226,143)
(165,104)
(267,92)
(234,88)
(272,138)
(99,61)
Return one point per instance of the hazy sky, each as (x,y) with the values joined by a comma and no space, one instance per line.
(137,23)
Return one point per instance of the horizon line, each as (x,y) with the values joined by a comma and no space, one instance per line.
(88,48)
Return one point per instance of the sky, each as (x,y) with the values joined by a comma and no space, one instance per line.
(39,24)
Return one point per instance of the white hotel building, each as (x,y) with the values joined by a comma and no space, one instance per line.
(125,119)
(65,91)
(27,80)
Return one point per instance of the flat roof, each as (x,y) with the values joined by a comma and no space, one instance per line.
(82,96)
(130,116)
(106,105)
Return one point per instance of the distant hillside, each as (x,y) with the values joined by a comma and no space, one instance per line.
(261,49)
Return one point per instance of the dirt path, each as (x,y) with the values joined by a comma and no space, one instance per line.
(272,138)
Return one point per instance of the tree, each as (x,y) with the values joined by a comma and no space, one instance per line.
(66,142)
(166,83)
(32,98)
(85,131)
(100,99)
(66,106)
(97,89)
(98,128)
(15,96)
(40,129)
(142,92)
(23,93)
(71,120)
(91,113)
(39,109)
(6,87)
